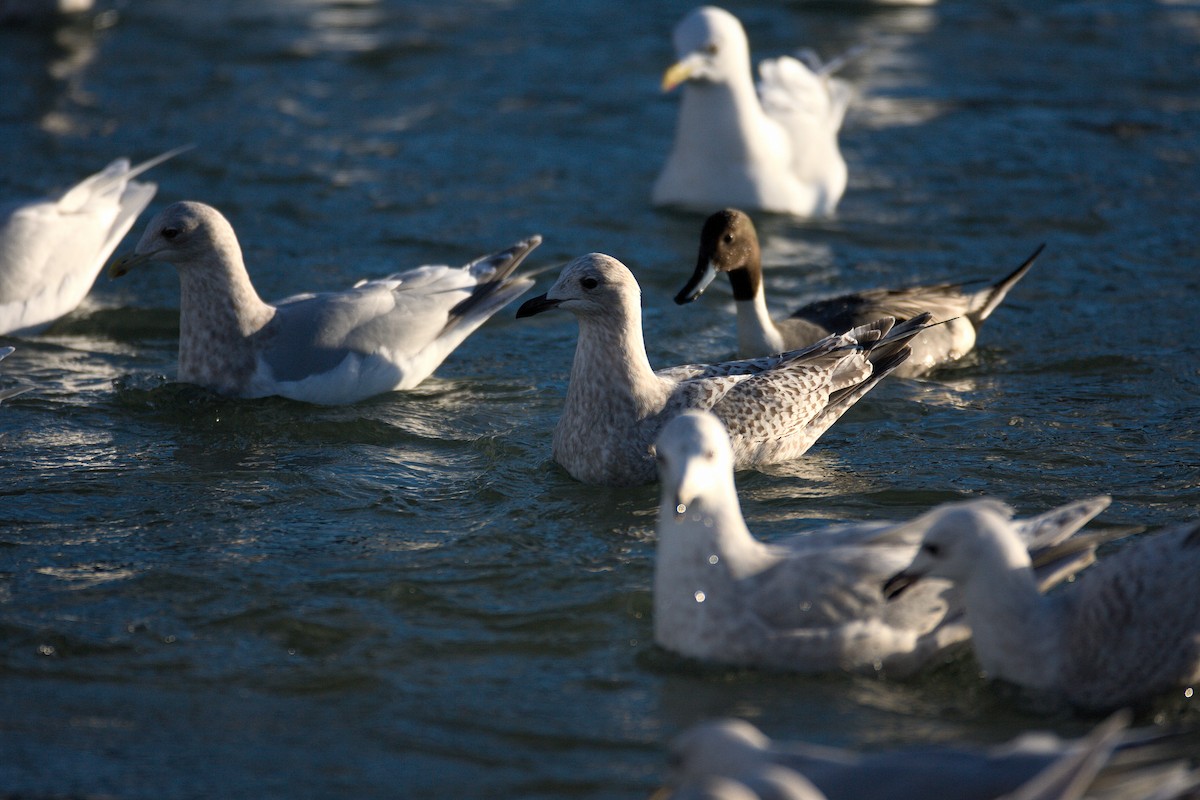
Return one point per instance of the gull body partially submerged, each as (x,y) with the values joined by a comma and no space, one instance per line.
(330,347)
(774,408)
(812,602)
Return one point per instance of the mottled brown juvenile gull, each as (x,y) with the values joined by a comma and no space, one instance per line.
(774,408)
(1125,632)
(812,602)
(330,347)
(729,244)
(51,250)
(722,755)
(774,149)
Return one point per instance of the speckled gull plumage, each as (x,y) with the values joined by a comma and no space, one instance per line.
(774,408)
(721,757)
(729,244)
(774,149)
(1126,632)
(51,250)
(331,347)
(812,602)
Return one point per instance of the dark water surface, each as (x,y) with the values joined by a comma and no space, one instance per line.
(202,597)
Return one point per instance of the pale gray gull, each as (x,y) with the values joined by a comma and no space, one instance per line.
(330,347)
(1125,632)
(729,244)
(813,601)
(774,149)
(774,408)
(51,250)
(731,758)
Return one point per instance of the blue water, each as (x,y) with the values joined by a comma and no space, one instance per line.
(202,597)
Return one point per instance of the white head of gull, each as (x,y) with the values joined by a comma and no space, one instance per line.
(333,347)
(721,753)
(1126,632)
(772,150)
(51,250)
(813,601)
(774,408)
(729,243)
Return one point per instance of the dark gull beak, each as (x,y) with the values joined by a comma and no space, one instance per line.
(536,305)
(895,585)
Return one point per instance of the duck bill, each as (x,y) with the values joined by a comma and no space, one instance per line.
(122,265)
(701,278)
(536,305)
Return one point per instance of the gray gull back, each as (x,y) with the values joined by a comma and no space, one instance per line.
(331,347)
(812,602)
(1125,632)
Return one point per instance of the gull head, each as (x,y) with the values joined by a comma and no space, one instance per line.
(711,46)
(181,234)
(594,285)
(728,243)
(695,462)
(961,537)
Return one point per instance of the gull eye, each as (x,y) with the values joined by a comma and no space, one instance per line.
(728,238)
(934,550)
(710,455)
(709,49)
(589,283)
(170,233)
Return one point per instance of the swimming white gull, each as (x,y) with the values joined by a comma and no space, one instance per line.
(51,250)
(330,347)
(812,602)
(1126,632)
(774,149)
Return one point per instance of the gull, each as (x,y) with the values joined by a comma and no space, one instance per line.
(774,408)
(51,250)
(329,347)
(1127,631)
(811,602)
(731,759)
(729,244)
(771,150)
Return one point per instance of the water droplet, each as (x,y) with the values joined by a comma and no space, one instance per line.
(699,596)
(1188,693)
(681,509)
(713,559)
(46,649)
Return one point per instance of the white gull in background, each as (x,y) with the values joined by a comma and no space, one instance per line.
(774,149)
(730,759)
(1125,632)
(774,408)
(729,244)
(330,347)
(812,602)
(51,250)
